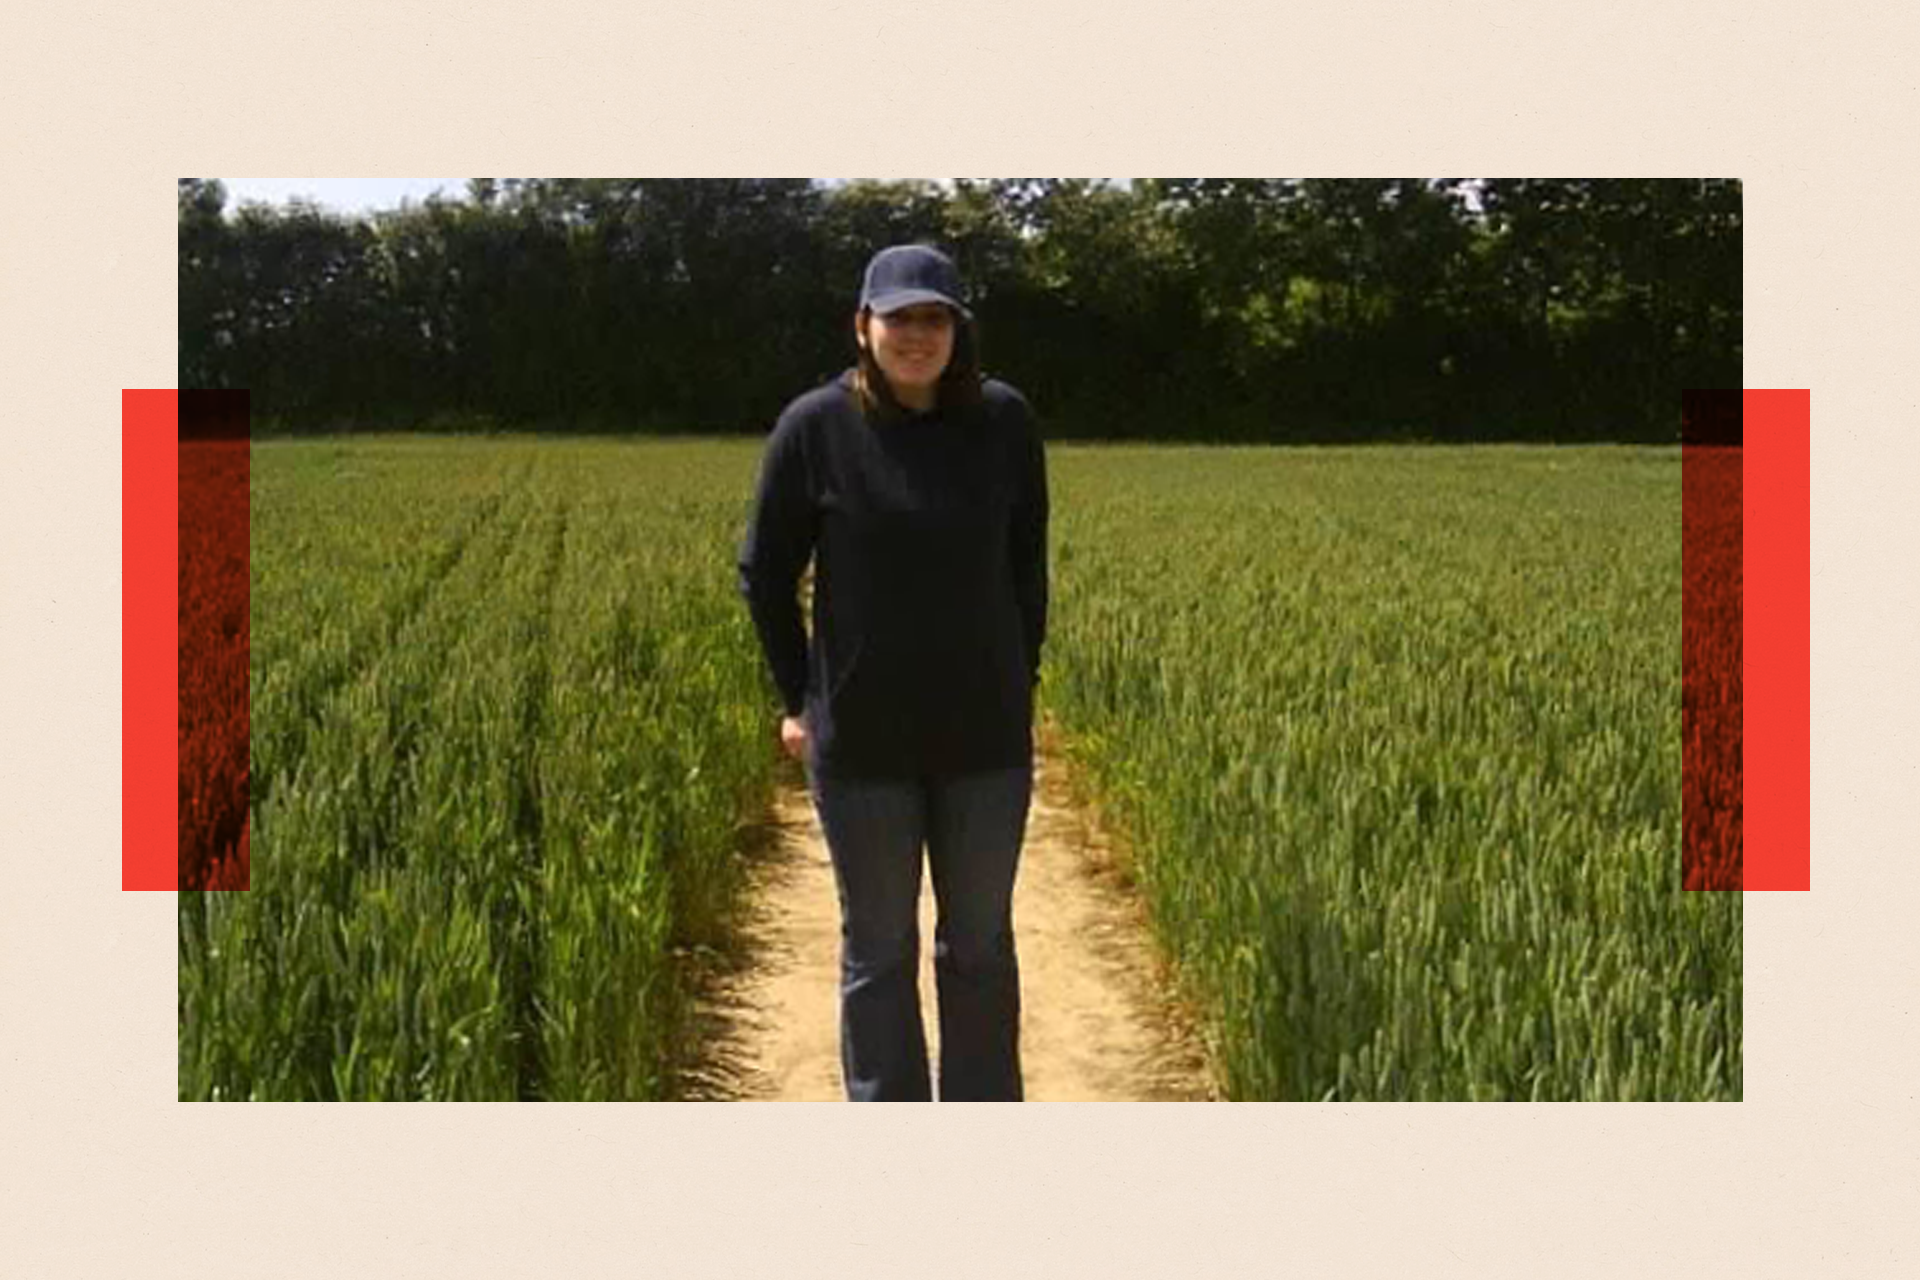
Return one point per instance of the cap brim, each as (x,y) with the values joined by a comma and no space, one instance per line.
(887,304)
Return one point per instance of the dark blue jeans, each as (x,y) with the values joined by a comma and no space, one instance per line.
(971,826)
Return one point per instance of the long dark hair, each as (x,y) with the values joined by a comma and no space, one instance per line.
(958,390)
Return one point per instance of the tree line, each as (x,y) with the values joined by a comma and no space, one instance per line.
(1204,309)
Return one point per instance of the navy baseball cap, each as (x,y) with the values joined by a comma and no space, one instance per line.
(904,274)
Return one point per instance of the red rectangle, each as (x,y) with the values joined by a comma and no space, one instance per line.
(1777,639)
(149,639)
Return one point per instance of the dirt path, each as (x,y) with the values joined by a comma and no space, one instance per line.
(1096,1024)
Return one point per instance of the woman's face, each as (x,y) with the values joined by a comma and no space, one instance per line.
(912,346)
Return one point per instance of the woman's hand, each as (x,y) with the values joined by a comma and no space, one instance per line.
(793,736)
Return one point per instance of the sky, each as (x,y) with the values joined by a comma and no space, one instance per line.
(345,195)
(360,195)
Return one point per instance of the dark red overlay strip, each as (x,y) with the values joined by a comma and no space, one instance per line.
(1711,677)
(149,633)
(214,639)
(1778,648)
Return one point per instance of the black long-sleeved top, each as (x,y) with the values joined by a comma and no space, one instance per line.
(929,540)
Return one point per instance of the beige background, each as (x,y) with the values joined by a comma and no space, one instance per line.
(104,1174)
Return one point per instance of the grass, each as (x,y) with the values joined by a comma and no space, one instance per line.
(1395,734)
(507,714)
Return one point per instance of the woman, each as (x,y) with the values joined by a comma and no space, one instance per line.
(919,489)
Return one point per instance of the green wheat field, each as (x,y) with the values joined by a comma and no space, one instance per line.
(1392,737)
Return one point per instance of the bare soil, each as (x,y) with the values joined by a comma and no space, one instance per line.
(1099,1018)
